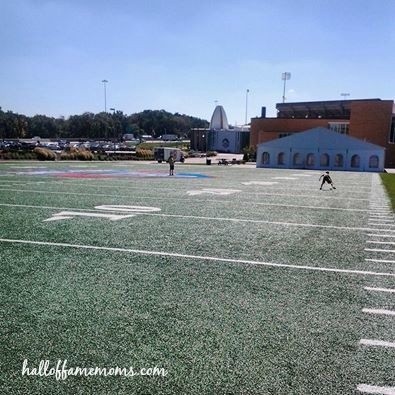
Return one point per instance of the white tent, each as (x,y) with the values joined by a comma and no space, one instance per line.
(320,148)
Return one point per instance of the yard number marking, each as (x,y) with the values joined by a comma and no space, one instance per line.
(110,216)
(213,191)
(260,183)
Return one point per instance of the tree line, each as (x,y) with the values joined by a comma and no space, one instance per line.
(97,126)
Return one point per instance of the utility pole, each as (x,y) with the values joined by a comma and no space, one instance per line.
(247,92)
(105,95)
(285,76)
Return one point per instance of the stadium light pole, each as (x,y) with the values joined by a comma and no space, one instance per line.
(285,76)
(344,95)
(105,95)
(247,92)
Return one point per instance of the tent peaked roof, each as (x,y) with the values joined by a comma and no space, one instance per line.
(321,137)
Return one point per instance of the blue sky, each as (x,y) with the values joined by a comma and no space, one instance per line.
(181,56)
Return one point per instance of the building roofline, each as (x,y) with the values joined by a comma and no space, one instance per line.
(326,102)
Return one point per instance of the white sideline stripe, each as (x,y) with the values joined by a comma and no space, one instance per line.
(378,224)
(380,289)
(379,260)
(200,257)
(372,342)
(211,218)
(378,250)
(244,193)
(378,311)
(375,235)
(380,242)
(374,389)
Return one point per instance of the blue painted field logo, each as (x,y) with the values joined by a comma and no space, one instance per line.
(61,371)
(127,212)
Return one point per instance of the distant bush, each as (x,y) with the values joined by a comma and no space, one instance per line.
(76,154)
(84,155)
(145,154)
(44,154)
(16,154)
(249,154)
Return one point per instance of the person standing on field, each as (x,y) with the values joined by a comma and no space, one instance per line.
(171,162)
(326,179)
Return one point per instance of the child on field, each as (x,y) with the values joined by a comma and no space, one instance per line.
(327,179)
(171,162)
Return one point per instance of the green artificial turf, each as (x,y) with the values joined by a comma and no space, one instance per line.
(216,327)
(389,184)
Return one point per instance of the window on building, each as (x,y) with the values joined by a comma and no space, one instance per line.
(281,135)
(392,131)
(266,158)
(281,158)
(340,127)
(310,160)
(374,162)
(297,159)
(324,160)
(338,160)
(355,161)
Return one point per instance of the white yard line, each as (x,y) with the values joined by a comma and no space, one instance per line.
(379,311)
(376,235)
(379,260)
(244,193)
(389,290)
(197,257)
(376,343)
(374,389)
(254,203)
(241,220)
(380,242)
(308,207)
(139,187)
(381,220)
(378,250)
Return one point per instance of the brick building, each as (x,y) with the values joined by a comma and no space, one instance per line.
(371,120)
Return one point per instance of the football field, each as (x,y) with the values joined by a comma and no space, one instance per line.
(233,280)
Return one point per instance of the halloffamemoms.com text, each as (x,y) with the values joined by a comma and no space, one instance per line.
(61,371)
